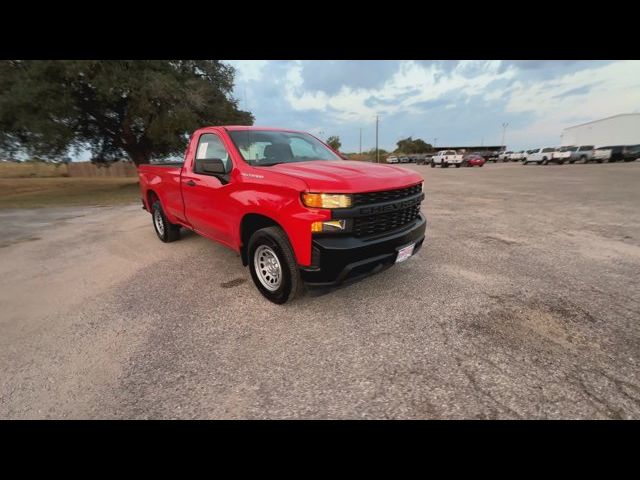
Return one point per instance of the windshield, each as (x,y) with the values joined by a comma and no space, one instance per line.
(263,148)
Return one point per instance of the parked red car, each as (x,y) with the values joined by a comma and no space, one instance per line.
(295,211)
(473,160)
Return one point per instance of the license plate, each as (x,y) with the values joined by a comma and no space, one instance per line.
(405,253)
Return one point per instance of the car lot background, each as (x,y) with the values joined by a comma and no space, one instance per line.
(523,303)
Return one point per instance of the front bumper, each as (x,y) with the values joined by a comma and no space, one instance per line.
(344,259)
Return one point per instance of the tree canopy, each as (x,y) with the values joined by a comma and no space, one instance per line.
(409,145)
(334,142)
(141,109)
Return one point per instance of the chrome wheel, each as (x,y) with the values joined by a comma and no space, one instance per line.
(267,267)
(157,221)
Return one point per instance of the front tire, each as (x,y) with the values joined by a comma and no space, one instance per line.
(433,165)
(273,265)
(166,231)
(457,165)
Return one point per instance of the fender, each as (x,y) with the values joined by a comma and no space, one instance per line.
(284,207)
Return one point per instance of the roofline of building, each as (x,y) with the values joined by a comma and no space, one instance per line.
(601,120)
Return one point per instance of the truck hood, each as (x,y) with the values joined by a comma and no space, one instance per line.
(348,176)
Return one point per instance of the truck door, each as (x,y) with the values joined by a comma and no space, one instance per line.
(206,196)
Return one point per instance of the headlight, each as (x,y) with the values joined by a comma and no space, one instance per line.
(328,226)
(422,187)
(326,200)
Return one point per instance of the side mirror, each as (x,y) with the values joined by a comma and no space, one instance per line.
(211,166)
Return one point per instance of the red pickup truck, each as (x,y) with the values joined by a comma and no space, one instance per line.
(296,212)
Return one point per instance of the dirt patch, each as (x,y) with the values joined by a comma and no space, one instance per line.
(233,283)
(8,243)
(475,277)
(502,239)
(597,247)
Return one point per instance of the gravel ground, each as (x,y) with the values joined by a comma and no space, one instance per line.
(523,303)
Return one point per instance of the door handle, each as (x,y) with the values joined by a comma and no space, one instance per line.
(191,183)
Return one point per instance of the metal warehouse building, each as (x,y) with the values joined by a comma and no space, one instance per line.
(621,129)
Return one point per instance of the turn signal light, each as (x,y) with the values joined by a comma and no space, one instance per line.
(328,226)
(326,200)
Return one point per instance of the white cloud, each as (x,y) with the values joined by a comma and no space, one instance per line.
(468,100)
(411,85)
(598,92)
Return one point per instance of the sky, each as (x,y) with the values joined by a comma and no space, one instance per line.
(457,102)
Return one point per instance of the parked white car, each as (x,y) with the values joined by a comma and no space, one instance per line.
(539,156)
(561,155)
(517,156)
(504,156)
(392,159)
(602,154)
(444,158)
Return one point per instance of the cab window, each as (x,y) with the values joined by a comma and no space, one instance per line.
(210,146)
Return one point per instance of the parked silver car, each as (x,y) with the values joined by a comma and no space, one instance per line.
(583,153)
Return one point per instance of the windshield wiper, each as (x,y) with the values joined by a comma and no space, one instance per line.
(267,164)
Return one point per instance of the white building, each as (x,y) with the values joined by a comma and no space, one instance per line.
(621,129)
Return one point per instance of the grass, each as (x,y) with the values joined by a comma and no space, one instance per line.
(31,169)
(67,191)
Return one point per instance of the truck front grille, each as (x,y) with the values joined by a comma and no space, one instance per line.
(384,222)
(385,195)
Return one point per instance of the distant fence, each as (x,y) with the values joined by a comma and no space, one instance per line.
(88,169)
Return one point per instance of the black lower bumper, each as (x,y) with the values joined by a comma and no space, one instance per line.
(340,259)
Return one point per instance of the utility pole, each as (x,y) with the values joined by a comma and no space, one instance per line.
(377,150)
(434,142)
(504,131)
(360,140)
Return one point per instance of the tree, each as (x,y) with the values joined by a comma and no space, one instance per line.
(409,145)
(143,109)
(374,155)
(334,142)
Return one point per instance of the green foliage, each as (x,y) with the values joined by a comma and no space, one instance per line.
(334,142)
(141,109)
(409,145)
(372,154)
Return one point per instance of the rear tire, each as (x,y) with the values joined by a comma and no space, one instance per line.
(166,231)
(273,263)
(457,165)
